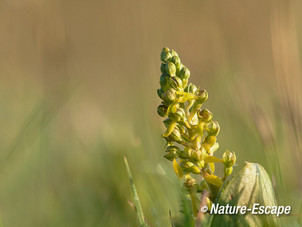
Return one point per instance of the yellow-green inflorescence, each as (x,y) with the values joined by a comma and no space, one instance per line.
(191,133)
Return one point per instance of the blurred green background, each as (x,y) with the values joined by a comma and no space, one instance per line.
(78,92)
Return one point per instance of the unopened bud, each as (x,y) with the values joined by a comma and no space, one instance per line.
(163,68)
(183,154)
(170,69)
(165,49)
(228,171)
(178,115)
(196,155)
(228,158)
(170,156)
(195,169)
(163,81)
(213,128)
(174,53)
(185,165)
(172,149)
(190,182)
(184,73)
(169,95)
(165,56)
(191,88)
(175,83)
(160,93)
(200,164)
(175,135)
(162,110)
(177,63)
(205,115)
(202,96)
(185,83)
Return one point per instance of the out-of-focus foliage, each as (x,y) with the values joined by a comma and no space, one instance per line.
(77,93)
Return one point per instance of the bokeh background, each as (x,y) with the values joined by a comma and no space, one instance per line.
(78,84)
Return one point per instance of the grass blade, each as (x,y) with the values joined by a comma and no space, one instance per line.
(137,203)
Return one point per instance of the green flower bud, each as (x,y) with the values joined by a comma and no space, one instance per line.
(191,88)
(174,53)
(184,83)
(167,122)
(196,156)
(170,156)
(184,73)
(172,149)
(177,63)
(171,69)
(190,182)
(228,171)
(202,96)
(195,169)
(200,164)
(163,68)
(160,93)
(175,135)
(162,110)
(163,81)
(178,115)
(169,95)
(165,56)
(175,83)
(205,115)
(165,49)
(213,128)
(185,165)
(184,154)
(228,158)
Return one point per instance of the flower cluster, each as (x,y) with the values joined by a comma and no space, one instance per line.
(191,133)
